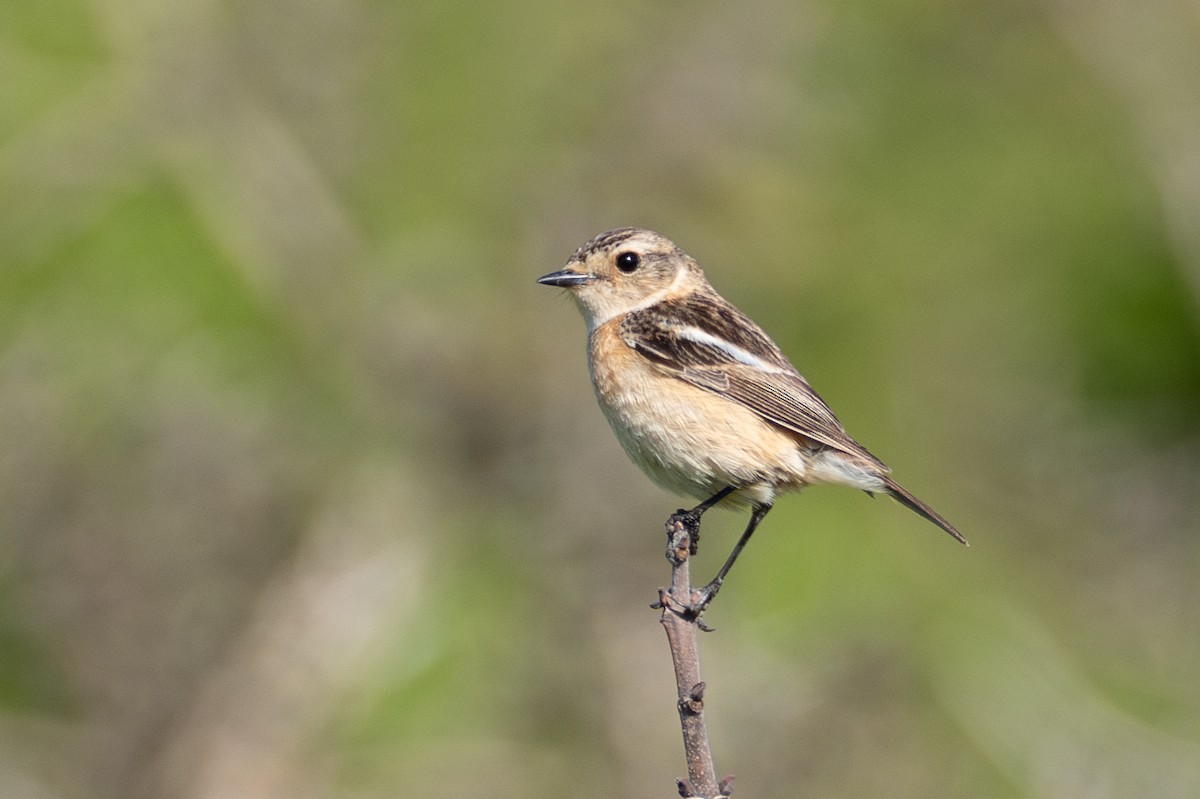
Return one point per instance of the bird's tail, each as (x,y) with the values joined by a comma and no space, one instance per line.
(901,495)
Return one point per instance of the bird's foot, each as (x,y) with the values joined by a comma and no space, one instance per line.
(701,599)
(687,522)
(693,609)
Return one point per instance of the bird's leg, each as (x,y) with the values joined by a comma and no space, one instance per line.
(690,519)
(708,592)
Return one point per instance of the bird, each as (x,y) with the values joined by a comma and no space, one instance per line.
(699,396)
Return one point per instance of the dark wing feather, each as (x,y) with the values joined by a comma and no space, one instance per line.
(665,334)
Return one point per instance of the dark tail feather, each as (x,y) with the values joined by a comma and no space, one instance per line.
(901,495)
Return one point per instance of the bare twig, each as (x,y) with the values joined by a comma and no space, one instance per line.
(682,626)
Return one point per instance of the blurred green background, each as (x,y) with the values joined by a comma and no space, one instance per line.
(303,491)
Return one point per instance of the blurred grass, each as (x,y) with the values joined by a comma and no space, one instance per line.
(303,492)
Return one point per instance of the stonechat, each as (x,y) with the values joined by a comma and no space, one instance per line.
(698,395)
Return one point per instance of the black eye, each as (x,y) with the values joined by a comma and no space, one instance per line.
(628,262)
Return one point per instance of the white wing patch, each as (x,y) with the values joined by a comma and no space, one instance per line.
(739,354)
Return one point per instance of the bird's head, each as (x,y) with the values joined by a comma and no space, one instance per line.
(625,270)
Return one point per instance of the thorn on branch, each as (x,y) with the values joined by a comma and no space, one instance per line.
(693,703)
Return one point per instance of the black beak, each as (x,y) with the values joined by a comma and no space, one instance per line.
(564,278)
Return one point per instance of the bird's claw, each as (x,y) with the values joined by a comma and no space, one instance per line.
(689,521)
(693,610)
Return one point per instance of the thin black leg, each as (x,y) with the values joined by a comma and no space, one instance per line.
(691,518)
(695,513)
(709,591)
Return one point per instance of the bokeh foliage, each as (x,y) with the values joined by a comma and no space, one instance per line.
(303,492)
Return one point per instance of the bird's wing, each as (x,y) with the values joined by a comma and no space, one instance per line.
(705,341)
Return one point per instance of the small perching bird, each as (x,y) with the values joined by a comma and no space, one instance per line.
(698,395)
